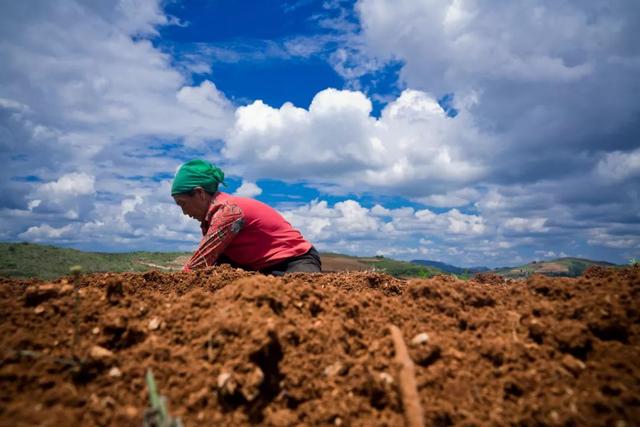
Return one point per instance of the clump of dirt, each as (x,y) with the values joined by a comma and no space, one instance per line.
(229,347)
(489,278)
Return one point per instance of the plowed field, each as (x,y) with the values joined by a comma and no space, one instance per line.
(229,347)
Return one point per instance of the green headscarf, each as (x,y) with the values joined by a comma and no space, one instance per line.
(197,173)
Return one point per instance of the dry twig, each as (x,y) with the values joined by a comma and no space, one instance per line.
(76,270)
(406,380)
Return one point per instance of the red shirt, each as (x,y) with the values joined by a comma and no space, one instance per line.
(248,232)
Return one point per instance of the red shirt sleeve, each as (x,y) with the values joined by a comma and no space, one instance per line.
(226,222)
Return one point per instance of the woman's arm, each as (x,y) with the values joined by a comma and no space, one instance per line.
(225,224)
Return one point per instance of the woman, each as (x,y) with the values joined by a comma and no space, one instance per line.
(237,230)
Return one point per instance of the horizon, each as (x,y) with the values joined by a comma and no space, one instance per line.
(338,254)
(510,136)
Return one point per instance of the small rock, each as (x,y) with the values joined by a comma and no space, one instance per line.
(95,331)
(227,385)
(223,378)
(386,378)
(130,411)
(100,353)
(115,372)
(39,310)
(337,421)
(251,386)
(334,369)
(154,323)
(573,365)
(421,338)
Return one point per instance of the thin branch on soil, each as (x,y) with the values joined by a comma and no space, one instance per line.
(406,380)
(209,346)
(76,270)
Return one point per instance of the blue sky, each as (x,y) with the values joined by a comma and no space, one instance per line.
(470,132)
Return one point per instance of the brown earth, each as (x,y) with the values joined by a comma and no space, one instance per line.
(233,348)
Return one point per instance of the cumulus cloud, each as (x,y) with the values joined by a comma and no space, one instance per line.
(544,73)
(248,189)
(414,146)
(405,232)
(456,198)
(350,221)
(96,89)
(45,232)
(618,166)
(90,114)
(69,185)
(526,224)
(604,237)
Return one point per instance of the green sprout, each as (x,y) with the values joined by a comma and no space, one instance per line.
(158,415)
(634,261)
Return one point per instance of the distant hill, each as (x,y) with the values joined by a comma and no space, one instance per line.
(27,260)
(448,268)
(567,267)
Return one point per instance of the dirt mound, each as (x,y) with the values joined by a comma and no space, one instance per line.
(229,347)
(489,277)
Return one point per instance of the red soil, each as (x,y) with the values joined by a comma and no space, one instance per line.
(233,348)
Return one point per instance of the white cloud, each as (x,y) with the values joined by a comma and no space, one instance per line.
(491,39)
(45,232)
(602,237)
(99,92)
(526,224)
(248,189)
(69,185)
(33,204)
(87,99)
(402,231)
(413,145)
(456,198)
(460,223)
(618,166)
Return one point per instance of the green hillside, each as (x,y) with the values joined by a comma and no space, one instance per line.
(401,268)
(567,267)
(25,260)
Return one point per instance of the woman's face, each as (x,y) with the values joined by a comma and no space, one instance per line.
(194,205)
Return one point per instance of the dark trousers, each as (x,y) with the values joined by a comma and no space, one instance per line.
(306,263)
